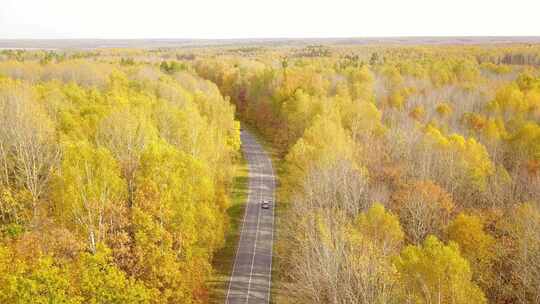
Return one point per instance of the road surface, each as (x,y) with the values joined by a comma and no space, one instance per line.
(250,280)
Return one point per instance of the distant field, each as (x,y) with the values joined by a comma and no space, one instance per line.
(178,43)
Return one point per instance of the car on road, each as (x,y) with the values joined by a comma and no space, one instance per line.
(265,205)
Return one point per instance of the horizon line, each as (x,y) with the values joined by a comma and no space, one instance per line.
(284,38)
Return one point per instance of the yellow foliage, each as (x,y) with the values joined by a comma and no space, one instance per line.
(527,139)
(444,109)
(418,113)
(360,117)
(396,99)
(435,136)
(509,99)
(469,155)
(475,244)
(382,228)
(436,273)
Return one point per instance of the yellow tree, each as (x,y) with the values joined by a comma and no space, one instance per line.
(323,144)
(476,246)
(382,228)
(462,165)
(436,273)
(89,191)
(177,223)
(99,280)
(362,118)
(39,281)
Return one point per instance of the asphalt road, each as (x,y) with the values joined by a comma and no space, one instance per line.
(250,280)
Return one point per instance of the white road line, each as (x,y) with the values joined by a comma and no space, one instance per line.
(241,234)
(256,236)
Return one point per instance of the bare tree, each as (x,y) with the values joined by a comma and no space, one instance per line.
(341,186)
(327,260)
(126,135)
(28,149)
(525,230)
(330,263)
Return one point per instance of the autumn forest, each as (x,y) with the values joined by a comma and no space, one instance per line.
(406,173)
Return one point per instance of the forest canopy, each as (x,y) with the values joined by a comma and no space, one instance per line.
(407,170)
(408,174)
(115,179)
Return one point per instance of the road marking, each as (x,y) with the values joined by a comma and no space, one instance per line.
(256,237)
(241,234)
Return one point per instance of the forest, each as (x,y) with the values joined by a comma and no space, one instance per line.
(407,174)
(114,180)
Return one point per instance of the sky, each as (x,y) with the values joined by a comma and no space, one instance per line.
(214,19)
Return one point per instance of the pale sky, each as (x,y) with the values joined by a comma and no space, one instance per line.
(269,18)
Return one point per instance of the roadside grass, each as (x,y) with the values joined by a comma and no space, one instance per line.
(224,259)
